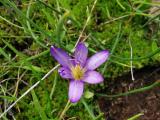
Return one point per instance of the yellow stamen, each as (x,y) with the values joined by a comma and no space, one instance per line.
(77,72)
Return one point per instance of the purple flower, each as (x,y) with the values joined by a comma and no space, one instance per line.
(79,69)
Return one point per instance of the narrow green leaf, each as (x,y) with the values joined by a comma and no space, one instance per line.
(49,18)
(88,109)
(14,49)
(8,3)
(135,117)
(60,31)
(35,68)
(8,97)
(38,106)
(155,84)
(4,54)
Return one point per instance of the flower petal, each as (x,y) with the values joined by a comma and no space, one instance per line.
(61,56)
(75,90)
(96,60)
(81,53)
(65,73)
(93,77)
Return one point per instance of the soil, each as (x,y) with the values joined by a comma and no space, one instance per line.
(146,102)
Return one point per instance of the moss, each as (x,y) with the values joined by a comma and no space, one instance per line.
(47,21)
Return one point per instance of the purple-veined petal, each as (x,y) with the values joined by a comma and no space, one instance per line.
(81,53)
(75,90)
(93,77)
(61,56)
(96,60)
(65,73)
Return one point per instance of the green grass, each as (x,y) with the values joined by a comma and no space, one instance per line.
(29,28)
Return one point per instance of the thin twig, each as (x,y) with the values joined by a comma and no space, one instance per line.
(88,19)
(131,62)
(115,19)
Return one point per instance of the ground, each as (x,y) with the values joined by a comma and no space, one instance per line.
(146,102)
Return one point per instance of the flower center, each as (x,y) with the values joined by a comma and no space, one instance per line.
(77,72)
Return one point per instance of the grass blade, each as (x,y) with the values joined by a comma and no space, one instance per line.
(38,106)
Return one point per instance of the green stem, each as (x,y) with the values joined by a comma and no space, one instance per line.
(157,83)
(88,109)
(118,2)
(68,105)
